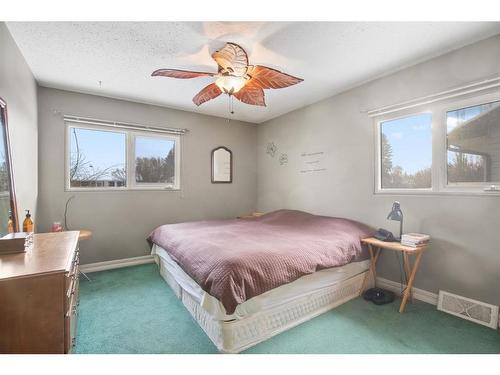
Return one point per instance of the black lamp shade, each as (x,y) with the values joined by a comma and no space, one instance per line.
(396,213)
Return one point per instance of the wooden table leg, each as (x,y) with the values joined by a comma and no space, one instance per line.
(406,263)
(363,286)
(407,291)
(373,267)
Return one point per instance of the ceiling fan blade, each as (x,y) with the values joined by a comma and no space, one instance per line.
(251,94)
(210,92)
(269,78)
(232,59)
(182,74)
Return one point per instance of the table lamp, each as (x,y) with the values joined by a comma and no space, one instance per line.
(397,215)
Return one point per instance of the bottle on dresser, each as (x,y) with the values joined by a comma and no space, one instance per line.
(10,223)
(28,225)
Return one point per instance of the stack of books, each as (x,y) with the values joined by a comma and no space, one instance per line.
(415,239)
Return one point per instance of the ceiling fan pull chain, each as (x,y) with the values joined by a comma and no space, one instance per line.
(230,105)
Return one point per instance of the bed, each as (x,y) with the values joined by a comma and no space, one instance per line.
(246,280)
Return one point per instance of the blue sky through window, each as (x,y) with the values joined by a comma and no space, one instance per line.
(152,147)
(461,116)
(102,149)
(411,141)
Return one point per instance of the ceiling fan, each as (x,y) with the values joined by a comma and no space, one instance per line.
(235,77)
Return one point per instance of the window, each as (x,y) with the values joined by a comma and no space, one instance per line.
(406,152)
(154,160)
(473,144)
(101,158)
(97,158)
(452,147)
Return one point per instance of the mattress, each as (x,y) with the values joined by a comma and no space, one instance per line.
(269,300)
(237,259)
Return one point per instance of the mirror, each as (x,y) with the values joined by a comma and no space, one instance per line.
(222,165)
(7,194)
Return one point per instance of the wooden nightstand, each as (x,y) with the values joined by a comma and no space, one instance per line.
(375,247)
(85,234)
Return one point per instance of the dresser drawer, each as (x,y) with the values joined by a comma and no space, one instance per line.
(72,296)
(71,283)
(73,274)
(72,286)
(70,323)
(71,316)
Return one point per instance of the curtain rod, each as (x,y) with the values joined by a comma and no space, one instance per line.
(443,95)
(124,125)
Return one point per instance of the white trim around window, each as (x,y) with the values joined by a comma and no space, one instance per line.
(378,153)
(439,169)
(130,162)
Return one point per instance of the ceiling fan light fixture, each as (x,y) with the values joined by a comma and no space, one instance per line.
(230,84)
(235,77)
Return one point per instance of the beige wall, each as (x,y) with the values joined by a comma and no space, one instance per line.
(465,252)
(122,220)
(464,257)
(18,88)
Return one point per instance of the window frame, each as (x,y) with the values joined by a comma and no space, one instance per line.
(465,187)
(130,136)
(378,153)
(131,178)
(439,167)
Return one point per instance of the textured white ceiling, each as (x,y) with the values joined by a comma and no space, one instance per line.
(329,56)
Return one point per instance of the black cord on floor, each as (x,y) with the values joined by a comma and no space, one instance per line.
(402,272)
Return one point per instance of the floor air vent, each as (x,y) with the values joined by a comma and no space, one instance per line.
(466,308)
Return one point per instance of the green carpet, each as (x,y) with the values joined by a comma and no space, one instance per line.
(132,310)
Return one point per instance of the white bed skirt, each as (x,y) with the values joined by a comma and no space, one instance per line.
(240,334)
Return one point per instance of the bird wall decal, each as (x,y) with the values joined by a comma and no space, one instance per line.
(235,77)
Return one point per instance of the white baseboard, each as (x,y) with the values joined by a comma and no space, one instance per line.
(118,263)
(420,294)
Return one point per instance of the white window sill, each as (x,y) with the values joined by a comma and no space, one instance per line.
(89,190)
(413,192)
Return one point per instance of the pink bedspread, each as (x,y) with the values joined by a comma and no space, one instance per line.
(235,260)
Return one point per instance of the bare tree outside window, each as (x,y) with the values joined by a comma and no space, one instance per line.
(102,158)
(4,175)
(154,160)
(4,170)
(97,158)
